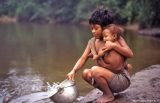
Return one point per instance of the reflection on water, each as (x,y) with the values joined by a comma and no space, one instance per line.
(31,55)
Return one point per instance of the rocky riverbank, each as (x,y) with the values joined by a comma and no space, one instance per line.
(150,32)
(144,88)
(7,19)
(155,32)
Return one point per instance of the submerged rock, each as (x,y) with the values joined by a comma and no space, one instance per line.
(144,88)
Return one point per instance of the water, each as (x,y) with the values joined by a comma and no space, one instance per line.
(16,85)
(38,97)
(33,54)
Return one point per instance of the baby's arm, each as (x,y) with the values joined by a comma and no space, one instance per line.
(103,50)
(120,46)
(100,53)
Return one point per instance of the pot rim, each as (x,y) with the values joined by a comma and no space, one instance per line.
(67,83)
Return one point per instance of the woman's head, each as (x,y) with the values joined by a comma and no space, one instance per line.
(99,19)
(102,17)
(112,32)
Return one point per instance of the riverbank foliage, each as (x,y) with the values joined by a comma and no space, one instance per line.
(145,12)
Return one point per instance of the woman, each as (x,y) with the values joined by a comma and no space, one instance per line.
(104,73)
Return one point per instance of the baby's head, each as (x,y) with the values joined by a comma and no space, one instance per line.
(112,32)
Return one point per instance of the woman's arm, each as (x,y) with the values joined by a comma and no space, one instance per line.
(81,61)
(123,48)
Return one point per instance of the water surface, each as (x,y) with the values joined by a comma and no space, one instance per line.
(33,54)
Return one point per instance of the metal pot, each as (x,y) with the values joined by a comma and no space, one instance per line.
(67,92)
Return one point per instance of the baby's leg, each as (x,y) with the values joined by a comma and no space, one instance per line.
(95,57)
(101,77)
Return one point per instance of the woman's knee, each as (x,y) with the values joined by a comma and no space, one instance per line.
(99,72)
(94,68)
(89,72)
(86,73)
(94,71)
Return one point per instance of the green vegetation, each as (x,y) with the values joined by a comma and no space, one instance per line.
(145,12)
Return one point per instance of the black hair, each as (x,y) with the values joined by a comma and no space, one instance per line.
(102,16)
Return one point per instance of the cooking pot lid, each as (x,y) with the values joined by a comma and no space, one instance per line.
(67,83)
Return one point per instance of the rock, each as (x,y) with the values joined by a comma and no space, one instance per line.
(144,88)
(150,32)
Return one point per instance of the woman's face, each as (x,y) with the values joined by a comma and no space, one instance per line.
(96,31)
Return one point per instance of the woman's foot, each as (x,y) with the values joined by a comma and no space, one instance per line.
(105,99)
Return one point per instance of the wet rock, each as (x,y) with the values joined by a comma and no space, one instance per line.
(144,88)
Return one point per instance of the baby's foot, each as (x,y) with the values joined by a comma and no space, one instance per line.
(129,68)
(105,99)
(95,57)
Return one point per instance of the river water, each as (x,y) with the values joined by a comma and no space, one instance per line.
(33,54)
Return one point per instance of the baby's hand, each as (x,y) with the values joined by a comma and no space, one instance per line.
(110,45)
(102,51)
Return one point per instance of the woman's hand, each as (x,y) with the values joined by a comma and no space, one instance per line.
(71,75)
